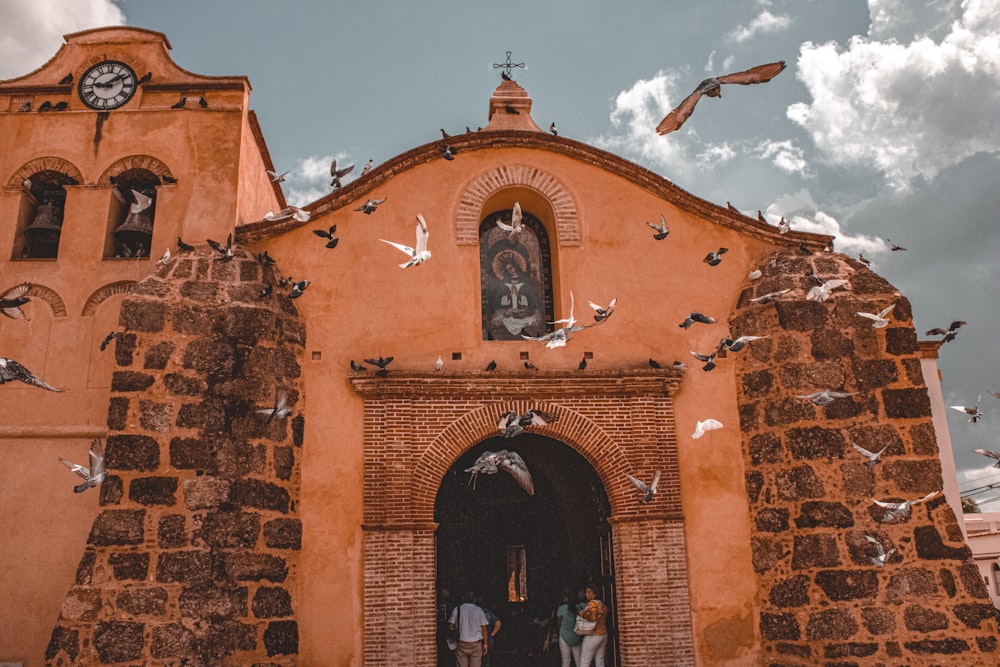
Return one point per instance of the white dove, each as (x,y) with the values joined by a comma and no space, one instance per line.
(420,254)
(974,413)
(883,555)
(516,226)
(901,510)
(559,337)
(880,320)
(142,202)
(93,475)
(826,397)
(165,258)
(770,296)
(701,427)
(822,292)
(280,409)
(873,457)
(275,176)
(649,490)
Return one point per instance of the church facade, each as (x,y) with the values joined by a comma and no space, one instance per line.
(230,531)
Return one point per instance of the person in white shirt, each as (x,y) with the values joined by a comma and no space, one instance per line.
(471,623)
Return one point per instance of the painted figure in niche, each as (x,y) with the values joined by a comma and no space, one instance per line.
(515,298)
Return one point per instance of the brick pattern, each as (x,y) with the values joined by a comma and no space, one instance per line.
(470,208)
(418,424)
(811,496)
(192,557)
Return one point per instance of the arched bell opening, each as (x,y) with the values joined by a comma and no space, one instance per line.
(40,215)
(131,214)
(521,552)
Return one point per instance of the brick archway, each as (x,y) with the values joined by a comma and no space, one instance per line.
(418,424)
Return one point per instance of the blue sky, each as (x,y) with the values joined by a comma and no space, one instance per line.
(885,124)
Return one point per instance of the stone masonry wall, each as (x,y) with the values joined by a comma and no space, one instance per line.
(811,496)
(192,557)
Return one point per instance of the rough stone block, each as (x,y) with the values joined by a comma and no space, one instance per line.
(788,410)
(758,384)
(930,546)
(205,492)
(878,620)
(766,552)
(187,567)
(143,601)
(124,349)
(791,592)
(748,417)
(842,585)
(85,570)
(224,638)
(172,640)
(191,454)
(906,403)
(255,567)
(858,480)
(259,494)
(798,484)
(112,489)
(119,641)
(298,430)
(158,355)
(850,650)
(129,565)
(283,533)
(779,627)
(972,581)
(987,644)
(800,315)
(239,459)
(171,532)
(811,551)
(815,442)
(142,315)
(872,373)
(272,602)
(973,614)
(274,363)
(131,381)
(117,413)
(754,484)
(830,344)
(155,416)
(131,452)
(917,477)
(229,529)
(200,291)
(947,579)
(284,462)
(81,604)
(805,378)
(247,323)
(209,356)
(117,527)
(192,320)
(820,514)
(212,603)
(772,520)
(63,640)
(183,385)
(281,638)
(153,490)
(831,624)
(911,582)
(938,646)
(901,340)
(209,414)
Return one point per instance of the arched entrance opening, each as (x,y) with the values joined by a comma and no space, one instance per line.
(522,552)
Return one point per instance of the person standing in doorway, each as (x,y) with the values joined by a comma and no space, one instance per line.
(570,643)
(444,608)
(493,625)
(470,621)
(594,645)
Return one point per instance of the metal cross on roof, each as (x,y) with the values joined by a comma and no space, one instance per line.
(507,66)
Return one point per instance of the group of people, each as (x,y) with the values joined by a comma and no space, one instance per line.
(582,649)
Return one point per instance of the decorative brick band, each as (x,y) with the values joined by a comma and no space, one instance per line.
(145,162)
(49,163)
(49,296)
(103,293)
(470,209)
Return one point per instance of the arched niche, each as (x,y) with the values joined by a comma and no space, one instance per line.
(133,182)
(42,208)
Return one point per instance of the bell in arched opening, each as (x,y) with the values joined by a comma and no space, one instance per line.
(46,226)
(134,236)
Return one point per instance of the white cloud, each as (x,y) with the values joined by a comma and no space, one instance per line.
(309,180)
(762,23)
(907,110)
(803,214)
(33,31)
(785,155)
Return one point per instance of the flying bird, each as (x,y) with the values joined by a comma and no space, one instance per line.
(337,174)
(369,206)
(715,257)
(489,463)
(298,288)
(332,240)
(93,475)
(702,427)
(512,424)
(994,394)
(974,413)
(356,367)
(12,300)
(822,291)
(648,490)
(901,510)
(709,359)
(695,316)
(990,453)
(276,177)
(879,320)
(418,255)
(381,363)
(516,226)
(893,247)
(661,229)
(949,333)
(712,87)
(280,409)
(874,458)
(770,296)
(602,312)
(141,202)
(882,554)
(561,336)
(737,344)
(822,398)
(225,250)
(11,370)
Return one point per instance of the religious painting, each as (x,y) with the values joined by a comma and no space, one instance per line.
(516,279)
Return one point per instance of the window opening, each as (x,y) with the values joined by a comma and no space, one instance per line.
(133,209)
(43,201)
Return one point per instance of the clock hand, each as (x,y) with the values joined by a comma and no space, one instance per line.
(107,84)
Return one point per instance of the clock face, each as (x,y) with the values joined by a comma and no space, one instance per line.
(107,85)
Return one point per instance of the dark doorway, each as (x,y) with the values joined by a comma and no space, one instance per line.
(522,552)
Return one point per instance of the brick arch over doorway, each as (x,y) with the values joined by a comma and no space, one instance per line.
(418,424)
(470,209)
